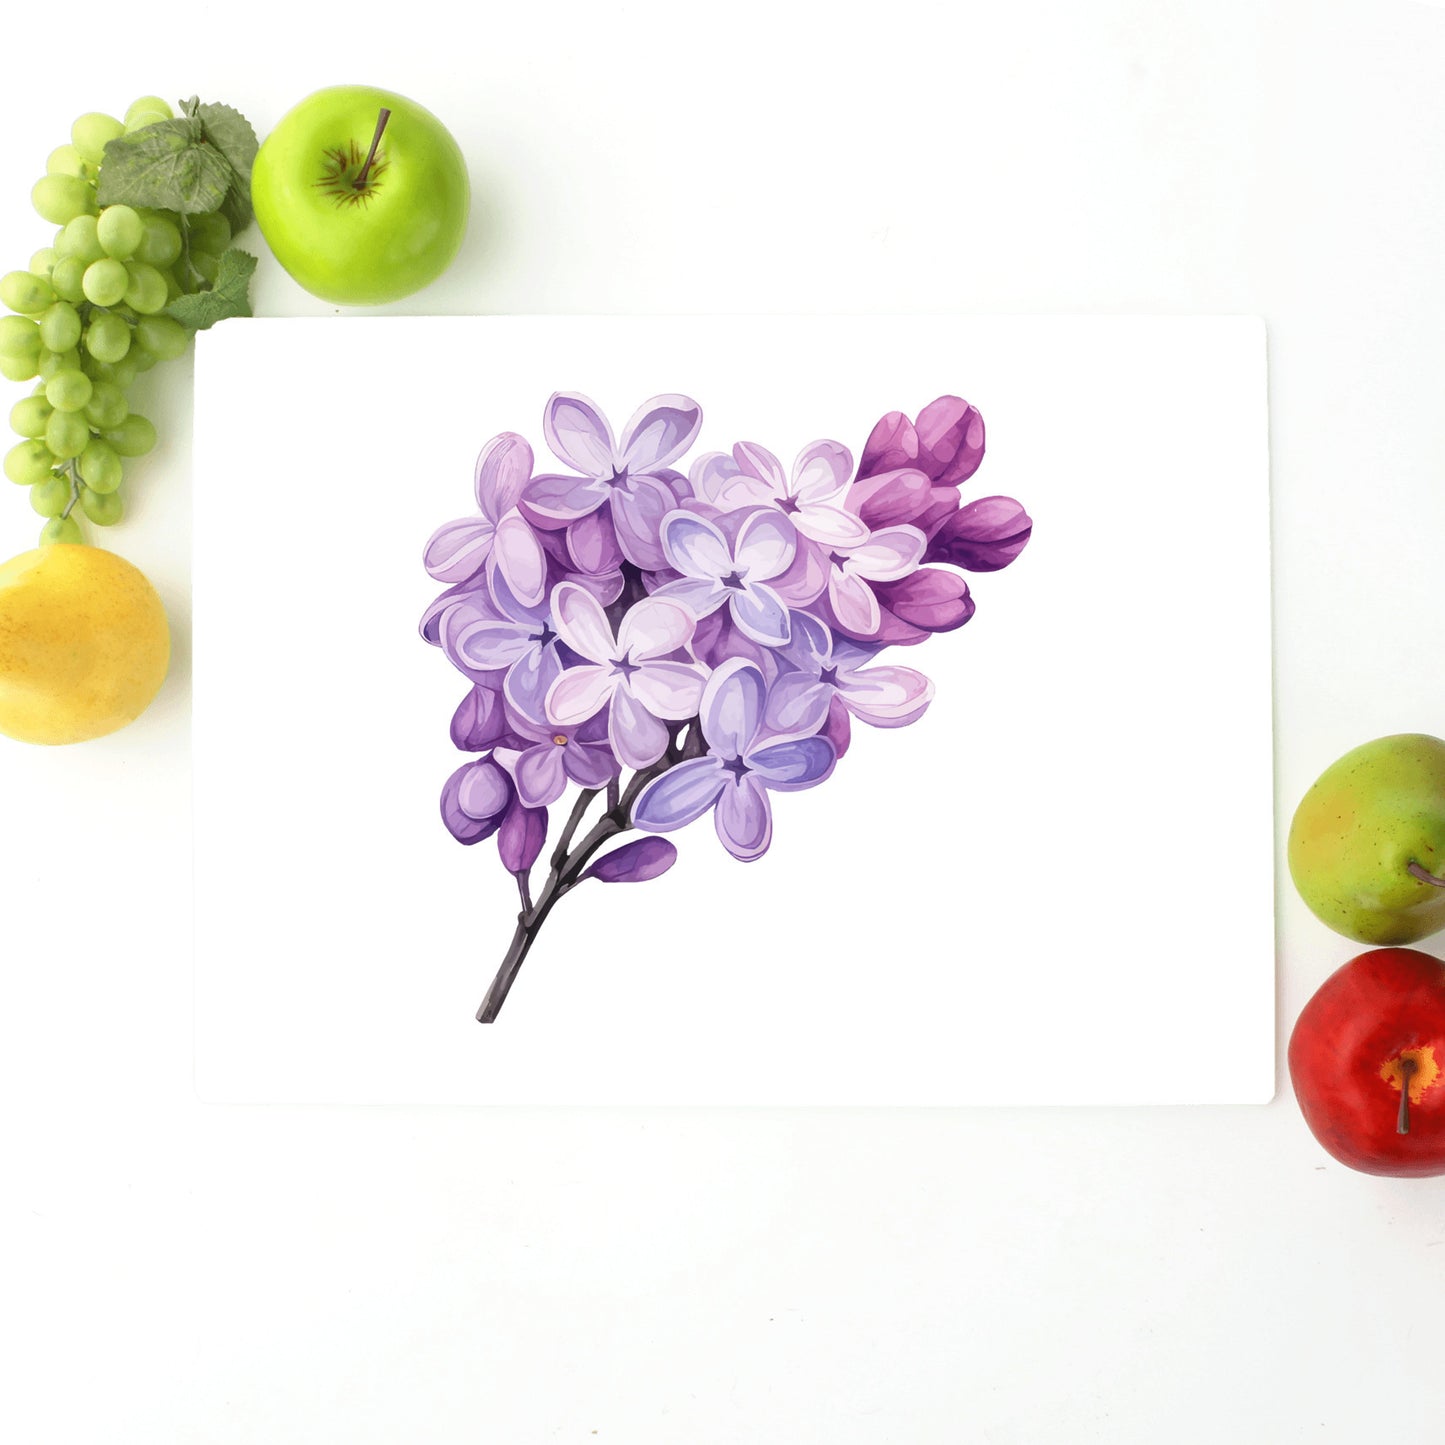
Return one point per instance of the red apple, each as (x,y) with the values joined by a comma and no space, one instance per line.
(1367,1060)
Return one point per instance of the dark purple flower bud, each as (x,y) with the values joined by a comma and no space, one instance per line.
(984,536)
(521,837)
(950,440)
(474,800)
(930,599)
(891,444)
(479,721)
(635,862)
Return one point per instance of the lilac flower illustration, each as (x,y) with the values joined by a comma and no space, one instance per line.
(826,667)
(629,673)
(556,755)
(501,540)
(716,572)
(630,477)
(741,766)
(668,645)
(812,496)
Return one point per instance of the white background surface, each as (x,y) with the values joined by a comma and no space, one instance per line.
(909,914)
(175,1272)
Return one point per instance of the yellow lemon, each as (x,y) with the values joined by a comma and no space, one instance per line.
(84,644)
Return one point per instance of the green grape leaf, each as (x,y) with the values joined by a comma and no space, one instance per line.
(231,133)
(168,165)
(230,296)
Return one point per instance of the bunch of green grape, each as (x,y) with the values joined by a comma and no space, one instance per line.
(88,318)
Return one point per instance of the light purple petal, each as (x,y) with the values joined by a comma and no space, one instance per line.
(793,765)
(854,602)
(888,555)
(539,774)
(683,793)
(503,470)
(699,595)
(761,614)
(821,471)
(517,555)
(458,550)
(637,862)
(744,818)
(709,473)
(483,789)
(887,697)
(767,542)
(478,644)
(592,543)
(559,500)
(528,680)
(581,623)
(671,690)
(806,579)
(798,703)
(578,693)
(830,527)
(654,627)
(578,433)
(732,707)
(637,513)
(694,547)
(588,764)
(660,431)
(637,737)
(759,463)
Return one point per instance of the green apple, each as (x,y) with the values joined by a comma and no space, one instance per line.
(1367,844)
(361,194)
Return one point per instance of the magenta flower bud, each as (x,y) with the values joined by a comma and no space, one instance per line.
(983,536)
(635,862)
(950,440)
(893,443)
(931,599)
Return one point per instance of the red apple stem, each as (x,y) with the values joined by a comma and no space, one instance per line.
(1407,1068)
(359,183)
(1425,875)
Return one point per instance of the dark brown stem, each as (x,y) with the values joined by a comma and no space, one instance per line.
(359,184)
(1425,875)
(1407,1069)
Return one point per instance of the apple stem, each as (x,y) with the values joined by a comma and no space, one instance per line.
(359,183)
(1425,875)
(1407,1068)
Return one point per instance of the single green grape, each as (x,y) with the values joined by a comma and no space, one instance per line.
(14,368)
(211,232)
(139,357)
(145,290)
(120,231)
(68,390)
(29,415)
(28,463)
(60,326)
(163,336)
(103,508)
(80,238)
(107,338)
(161,244)
(101,466)
(61,529)
(42,263)
(59,199)
(52,362)
(67,279)
(90,133)
(64,161)
(50,497)
(67,434)
(134,437)
(105,281)
(19,337)
(150,102)
(26,292)
(105,410)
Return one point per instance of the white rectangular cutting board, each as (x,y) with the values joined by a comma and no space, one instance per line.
(1055,888)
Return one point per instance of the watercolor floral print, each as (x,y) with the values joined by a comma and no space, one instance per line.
(672,639)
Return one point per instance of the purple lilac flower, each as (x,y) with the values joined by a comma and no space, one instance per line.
(552,755)
(741,766)
(630,477)
(500,540)
(629,673)
(504,641)
(887,556)
(716,572)
(827,667)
